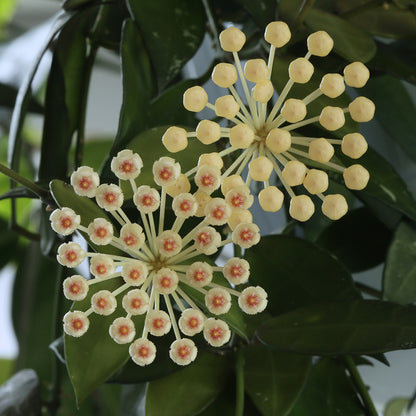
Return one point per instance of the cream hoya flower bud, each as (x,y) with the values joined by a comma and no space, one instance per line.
(191,322)
(316,181)
(356,74)
(122,330)
(321,150)
(293,110)
(208,132)
(207,240)
(212,159)
(334,206)
(271,199)
(256,70)
(109,197)
(182,185)
(195,99)
(103,302)
(132,236)
(260,168)
(169,243)
(183,351)
(300,70)
(230,182)
(294,172)
(239,197)
(354,145)
(75,287)
(208,178)
(202,199)
(218,301)
(64,221)
(263,91)
(100,231)
(157,323)
(236,270)
(241,136)
(136,302)
(301,208)
(332,118)
(199,274)
(134,272)
(217,212)
(146,199)
(332,85)
(216,332)
(184,205)
(70,254)
(320,43)
(239,216)
(76,323)
(362,109)
(165,281)
(356,177)
(126,165)
(232,39)
(85,181)
(142,351)
(246,235)
(224,75)
(226,107)
(102,266)
(278,140)
(175,139)
(166,171)
(277,34)
(253,300)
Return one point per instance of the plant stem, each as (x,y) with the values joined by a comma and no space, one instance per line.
(360,386)
(211,21)
(306,5)
(238,252)
(369,290)
(239,385)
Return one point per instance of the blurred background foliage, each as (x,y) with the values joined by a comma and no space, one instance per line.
(148,45)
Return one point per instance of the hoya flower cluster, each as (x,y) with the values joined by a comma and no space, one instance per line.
(264,136)
(157,264)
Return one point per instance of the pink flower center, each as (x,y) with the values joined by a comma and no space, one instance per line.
(143,352)
(237,201)
(75,288)
(110,197)
(218,213)
(169,244)
(136,303)
(134,274)
(130,240)
(158,323)
(193,322)
(185,206)
(204,238)
(236,271)
(126,166)
(184,351)
(123,330)
(147,200)
(101,269)
(166,282)
(101,232)
(66,222)
(77,324)
(246,235)
(252,300)
(218,300)
(101,303)
(199,275)
(85,183)
(216,333)
(207,180)
(165,174)
(71,255)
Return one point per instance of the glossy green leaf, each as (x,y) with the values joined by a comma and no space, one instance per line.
(296,273)
(350,42)
(9,247)
(359,240)
(345,327)
(262,11)
(224,403)
(399,277)
(8,98)
(396,407)
(133,400)
(274,379)
(328,391)
(94,357)
(189,390)
(172,31)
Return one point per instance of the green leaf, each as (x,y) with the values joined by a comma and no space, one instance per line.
(346,327)
(296,273)
(6,369)
(399,277)
(94,357)
(359,240)
(190,390)
(172,31)
(328,392)
(274,379)
(262,11)
(8,97)
(396,407)
(350,42)
(9,247)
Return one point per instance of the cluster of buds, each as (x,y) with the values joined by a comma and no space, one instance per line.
(157,265)
(267,141)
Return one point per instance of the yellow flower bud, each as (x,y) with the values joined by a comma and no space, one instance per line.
(278,140)
(301,208)
(356,177)
(300,70)
(208,131)
(316,181)
(224,75)
(332,118)
(202,199)
(232,39)
(271,199)
(356,74)
(241,136)
(239,216)
(294,173)
(263,91)
(293,110)
(334,206)
(260,168)
(195,99)
(213,159)
(231,182)
(226,107)
(277,34)
(362,109)
(321,150)
(181,186)
(354,145)
(320,43)
(256,70)
(175,139)
(332,85)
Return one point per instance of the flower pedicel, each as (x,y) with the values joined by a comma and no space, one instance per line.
(267,141)
(157,261)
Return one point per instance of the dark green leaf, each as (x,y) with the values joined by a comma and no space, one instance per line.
(190,390)
(399,277)
(328,392)
(296,273)
(172,31)
(346,327)
(8,97)
(48,237)
(274,379)
(9,247)
(263,11)
(224,403)
(133,400)
(359,240)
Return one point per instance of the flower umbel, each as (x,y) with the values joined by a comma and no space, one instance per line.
(266,138)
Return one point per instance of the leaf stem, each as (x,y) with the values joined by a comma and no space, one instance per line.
(211,22)
(306,5)
(239,385)
(360,386)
